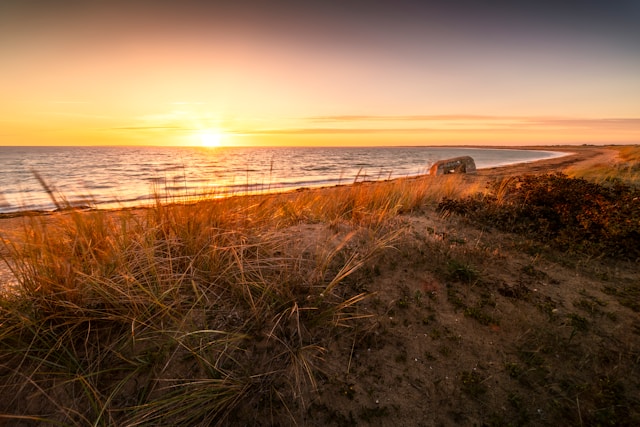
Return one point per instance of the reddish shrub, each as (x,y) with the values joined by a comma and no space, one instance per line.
(570,213)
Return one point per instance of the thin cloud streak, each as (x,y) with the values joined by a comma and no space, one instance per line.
(537,120)
(623,122)
(455,123)
(356,131)
(145,128)
(347,118)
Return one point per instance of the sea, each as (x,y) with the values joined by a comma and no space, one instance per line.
(50,178)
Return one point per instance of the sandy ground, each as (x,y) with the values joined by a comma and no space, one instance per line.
(576,156)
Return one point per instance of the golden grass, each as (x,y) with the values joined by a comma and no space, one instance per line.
(190,313)
(629,153)
(187,313)
(625,167)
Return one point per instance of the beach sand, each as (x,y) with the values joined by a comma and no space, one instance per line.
(576,156)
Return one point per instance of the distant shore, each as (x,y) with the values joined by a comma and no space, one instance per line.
(577,155)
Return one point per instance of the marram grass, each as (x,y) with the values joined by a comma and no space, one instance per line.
(188,314)
(625,168)
(195,313)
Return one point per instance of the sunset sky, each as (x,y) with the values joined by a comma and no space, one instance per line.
(319,73)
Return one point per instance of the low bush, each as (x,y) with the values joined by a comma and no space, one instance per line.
(570,213)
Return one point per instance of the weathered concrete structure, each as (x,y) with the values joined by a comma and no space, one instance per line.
(463,164)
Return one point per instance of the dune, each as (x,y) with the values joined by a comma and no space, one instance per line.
(368,304)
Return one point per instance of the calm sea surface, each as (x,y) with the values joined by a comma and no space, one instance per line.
(107,177)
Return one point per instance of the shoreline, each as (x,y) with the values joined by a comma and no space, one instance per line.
(565,151)
(574,155)
(193,175)
(11,224)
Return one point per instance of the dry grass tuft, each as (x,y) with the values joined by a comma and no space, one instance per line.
(189,313)
(625,168)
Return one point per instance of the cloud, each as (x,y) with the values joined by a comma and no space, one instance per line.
(461,124)
(323,131)
(179,120)
(153,128)
(308,131)
(348,118)
(448,123)
(471,119)
(587,123)
(70,102)
(187,103)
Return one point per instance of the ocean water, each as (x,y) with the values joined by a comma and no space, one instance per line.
(108,177)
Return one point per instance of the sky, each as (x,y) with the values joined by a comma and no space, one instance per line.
(351,73)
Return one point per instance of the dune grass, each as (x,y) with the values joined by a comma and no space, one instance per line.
(184,314)
(625,168)
(196,313)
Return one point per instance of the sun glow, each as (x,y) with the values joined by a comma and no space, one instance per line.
(211,138)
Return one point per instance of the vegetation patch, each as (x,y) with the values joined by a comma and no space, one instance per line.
(628,296)
(572,213)
(473,383)
(176,316)
(461,272)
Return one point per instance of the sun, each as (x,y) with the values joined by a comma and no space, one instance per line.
(211,138)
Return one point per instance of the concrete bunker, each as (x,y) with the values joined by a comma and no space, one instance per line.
(462,164)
